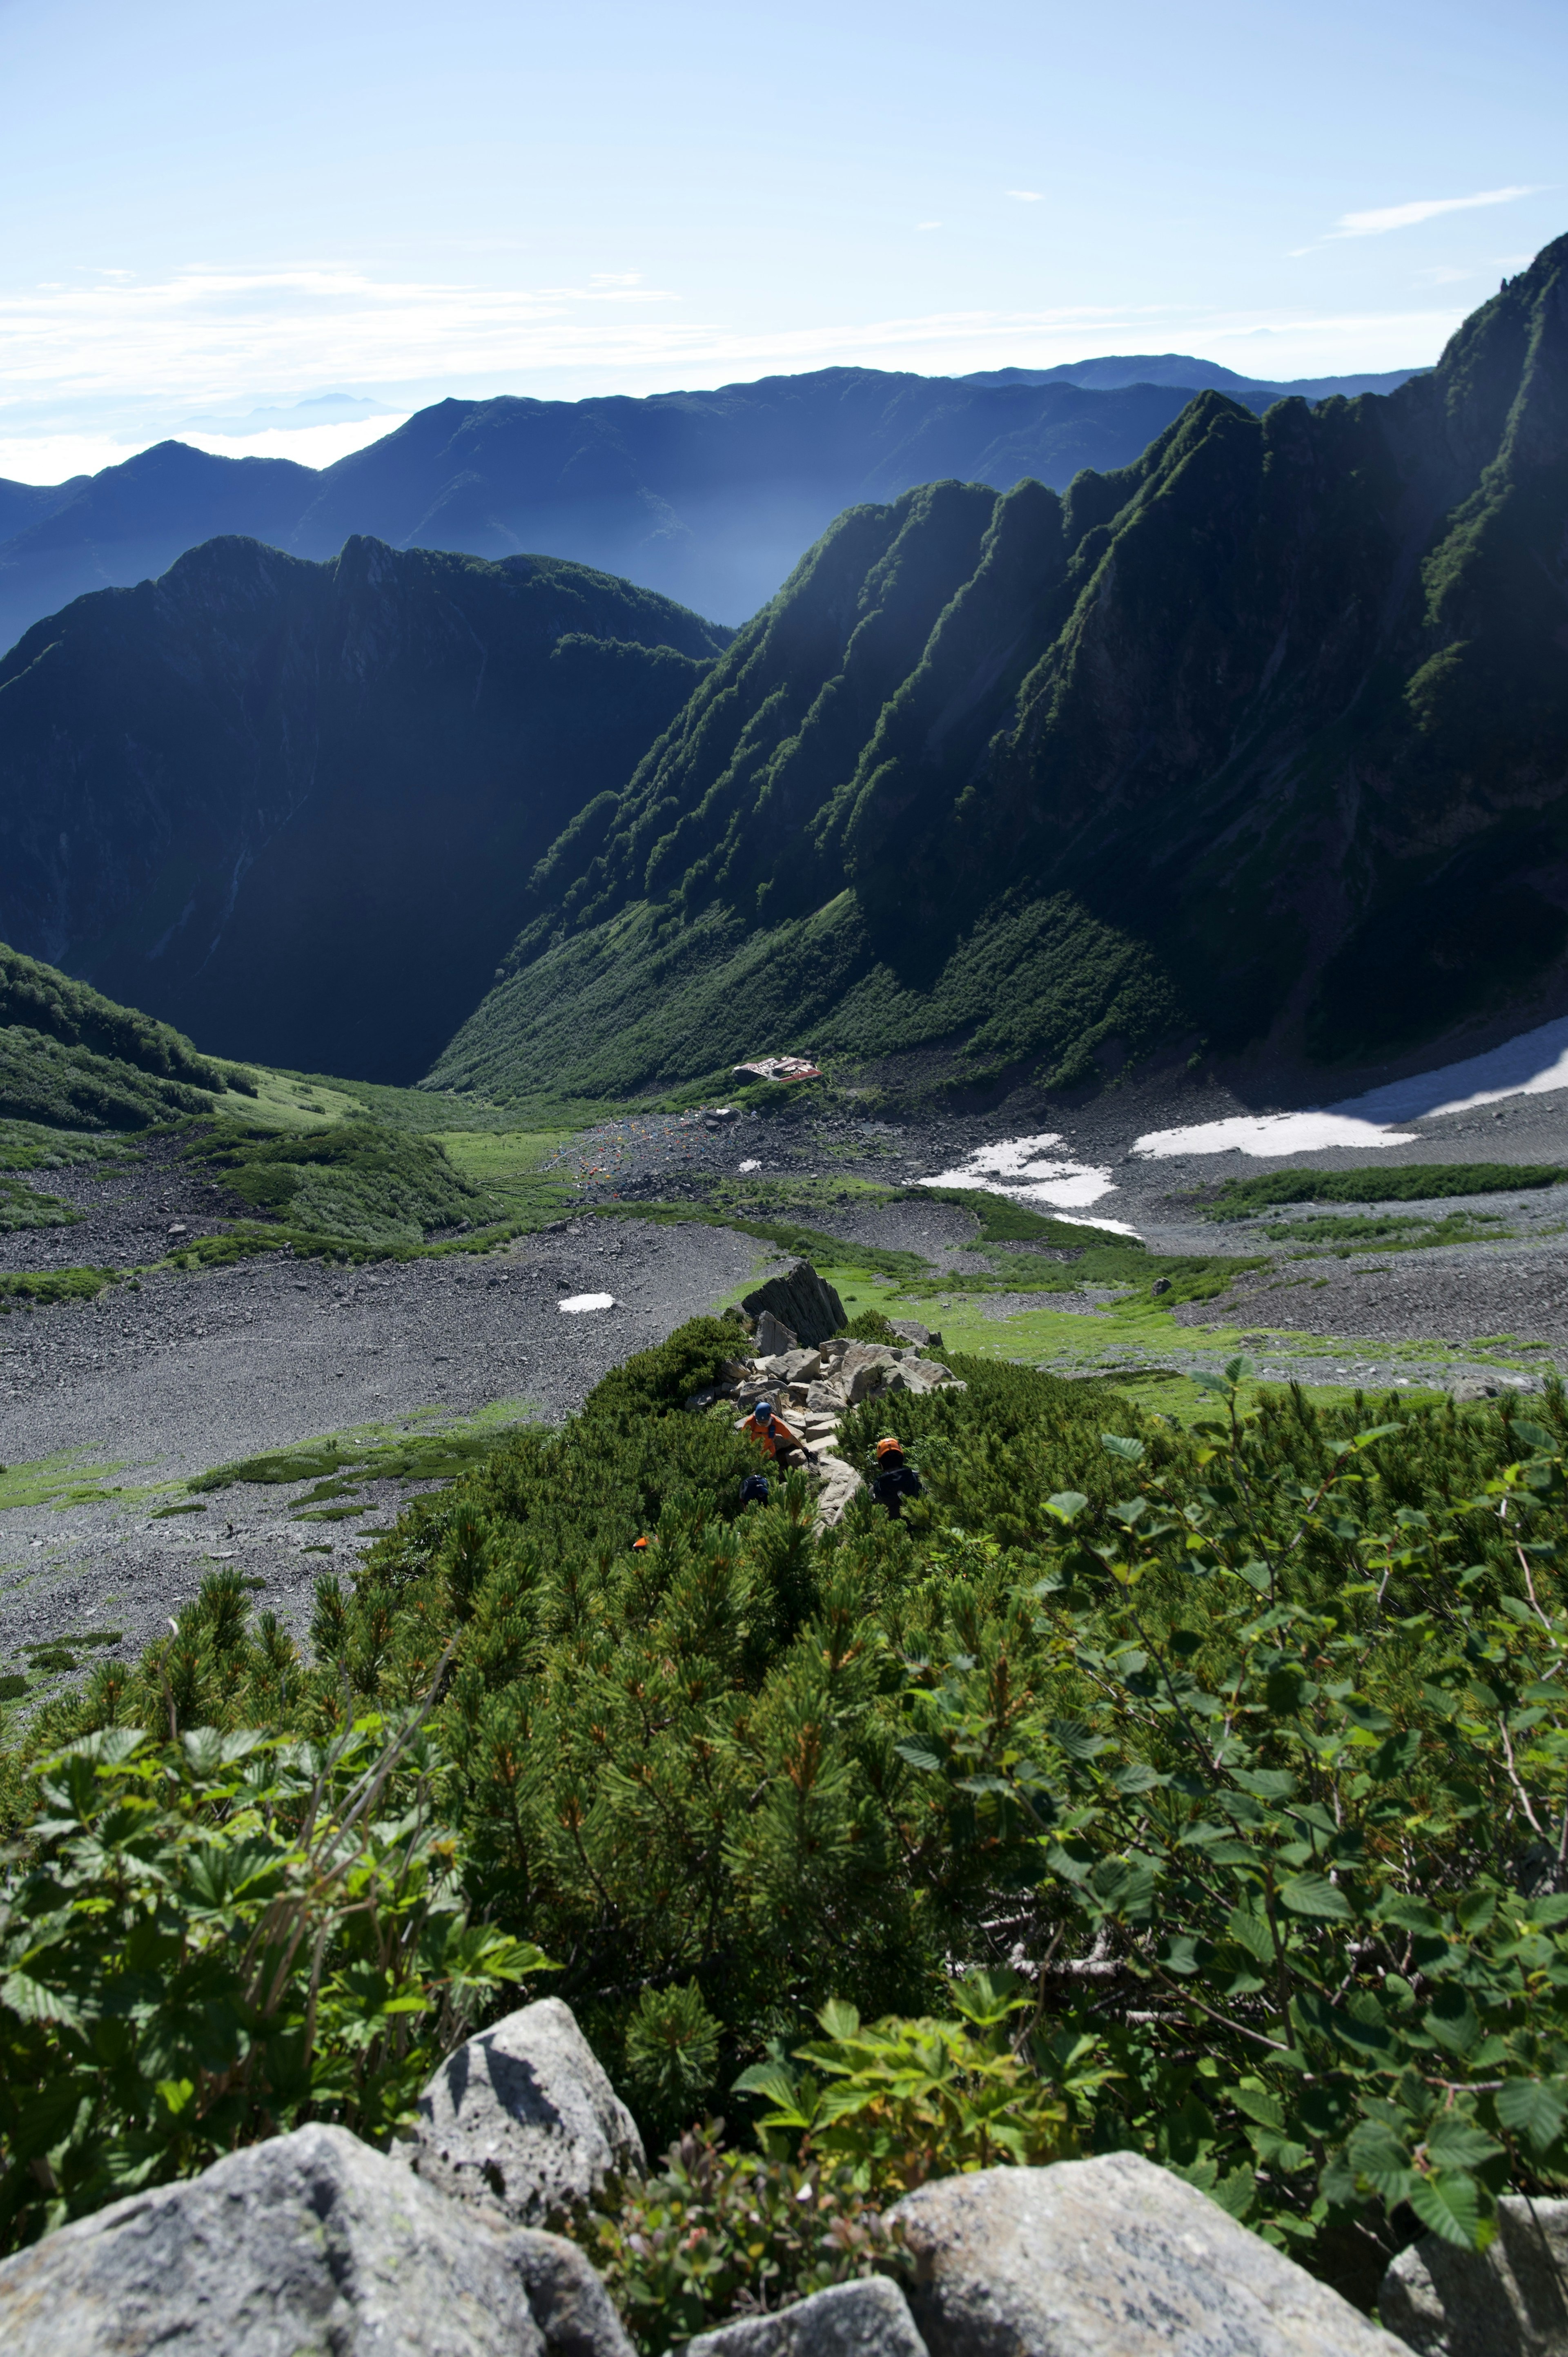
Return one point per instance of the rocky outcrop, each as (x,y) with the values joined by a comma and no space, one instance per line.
(814,1390)
(870,2319)
(522,2118)
(801,1300)
(312,2245)
(1111,2257)
(1509,2300)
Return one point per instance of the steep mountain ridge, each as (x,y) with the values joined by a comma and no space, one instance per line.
(291,808)
(709,497)
(1261,742)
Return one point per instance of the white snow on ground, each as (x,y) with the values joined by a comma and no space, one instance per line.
(1026,1169)
(1529,1066)
(577,1301)
(1264,1133)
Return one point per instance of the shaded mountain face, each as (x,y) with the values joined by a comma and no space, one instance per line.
(129,522)
(1261,743)
(710,498)
(291,808)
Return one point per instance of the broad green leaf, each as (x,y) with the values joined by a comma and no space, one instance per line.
(1076,1739)
(1264,1784)
(921,1755)
(1251,1931)
(1115,1446)
(1450,2204)
(1534,2108)
(1395,1757)
(1455,2142)
(1314,1894)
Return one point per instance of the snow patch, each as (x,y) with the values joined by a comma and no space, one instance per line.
(575,1302)
(1026,1170)
(1531,1066)
(1267,1134)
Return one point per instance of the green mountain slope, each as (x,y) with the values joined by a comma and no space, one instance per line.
(292,808)
(71,1058)
(1261,741)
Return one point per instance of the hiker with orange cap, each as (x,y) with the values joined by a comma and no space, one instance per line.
(894,1480)
(764,1424)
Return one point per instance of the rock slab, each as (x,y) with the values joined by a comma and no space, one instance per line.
(523,2119)
(1111,2257)
(870,2319)
(799,1300)
(310,2246)
(1509,2301)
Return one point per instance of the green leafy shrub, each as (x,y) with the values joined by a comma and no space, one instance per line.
(358,1180)
(715,2233)
(1244,1745)
(208,1940)
(904,2100)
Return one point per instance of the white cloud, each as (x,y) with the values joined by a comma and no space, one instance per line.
(119,365)
(1028,195)
(1442,274)
(928,224)
(1382,218)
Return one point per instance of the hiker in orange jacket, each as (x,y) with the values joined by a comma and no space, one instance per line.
(782,1445)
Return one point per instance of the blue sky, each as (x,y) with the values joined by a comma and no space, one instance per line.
(211,209)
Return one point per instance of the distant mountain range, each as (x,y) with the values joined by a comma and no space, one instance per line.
(710,498)
(294,807)
(1255,749)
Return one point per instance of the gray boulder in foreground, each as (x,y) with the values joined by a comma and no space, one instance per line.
(1509,2301)
(522,2118)
(569,2304)
(1111,2257)
(310,2246)
(869,2318)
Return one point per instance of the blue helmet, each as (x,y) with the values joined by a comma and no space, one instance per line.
(763,1411)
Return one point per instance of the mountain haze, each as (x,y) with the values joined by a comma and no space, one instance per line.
(710,498)
(1259,744)
(292,808)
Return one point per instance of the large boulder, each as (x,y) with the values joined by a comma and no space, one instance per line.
(311,2245)
(569,2304)
(799,1300)
(522,2118)
(1506,2301)
(870,2319)
(1110,2257)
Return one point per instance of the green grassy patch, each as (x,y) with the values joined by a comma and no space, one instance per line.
(28,1145)
(25,1207)
(376,1453)
(1411,1182)
(59,1479)
(41,1291)
(1399,1231)
(355,1180)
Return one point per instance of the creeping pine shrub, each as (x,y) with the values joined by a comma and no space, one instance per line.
(209,1940)
(1243,1747)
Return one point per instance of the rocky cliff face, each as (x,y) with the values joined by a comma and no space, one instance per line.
(291,808)
(1262,742)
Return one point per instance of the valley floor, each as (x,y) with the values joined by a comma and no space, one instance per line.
(108,1408)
